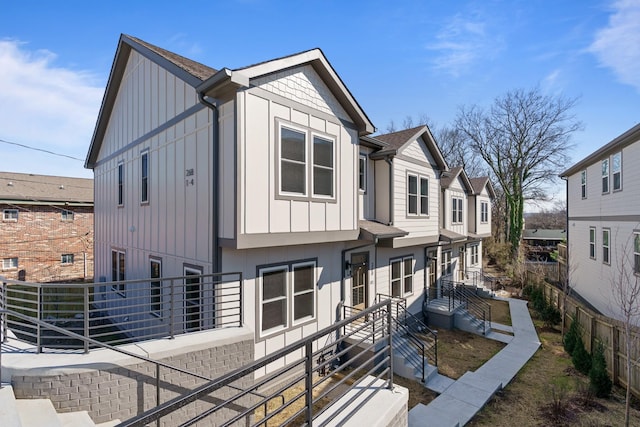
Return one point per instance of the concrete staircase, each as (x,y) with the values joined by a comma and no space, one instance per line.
(407,361)
(40,413)
(465,321)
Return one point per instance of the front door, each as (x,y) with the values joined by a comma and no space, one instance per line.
(193,299)
(360,280)
(432,265)
(461,266)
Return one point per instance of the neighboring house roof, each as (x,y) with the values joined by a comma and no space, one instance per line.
(397,141)
(449,177)
(540,234)
(23,188)
(369,230)
(481,182)
(627,138)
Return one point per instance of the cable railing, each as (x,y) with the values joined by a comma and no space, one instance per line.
(124,311)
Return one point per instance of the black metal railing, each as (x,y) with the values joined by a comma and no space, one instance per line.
(460,294)
(122,312)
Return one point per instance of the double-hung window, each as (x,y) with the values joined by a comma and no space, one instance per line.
(144,177)
(484,212)
(66,259)
(605,245)
(605,176)
(118,272)
(636,252)
(287,295)
(362,173)
(456,210)
(156,286)
(9,263)
(401,276)
(417,195)
(592,242)
(10,215)
(299,161)
(616,171)
(583,184)
(120,184)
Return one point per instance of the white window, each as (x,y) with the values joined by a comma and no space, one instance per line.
(636,252)
(484,212)
(605,246)
(605,176)
(9,263)
(293,161)
(120,184)
(287,295)
(155,286)
(616,170)
(583,183)
(10,215)
(66,259)
(417,195)
(67,215)
(401,276)
(445,266)
(592,242)
(144,177)
(456,210)
(118,270)
(362,172)
(474,255)
(323,169)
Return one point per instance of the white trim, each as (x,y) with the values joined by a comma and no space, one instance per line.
(8,215)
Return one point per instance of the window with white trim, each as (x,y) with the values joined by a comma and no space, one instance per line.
(67,215)
(323,167)
(9,263)
(155,286)
(362,172)
(401,276)
(417,195)
(474,254)
(592,242)
(120,184)
(10,215)
(456,210)
(144,177)
(293,161)
(66,259)
(605,176)
(287,295)
(605,245)
(636,252)
(583,184)
(118,270)
(484,212)
(616,171)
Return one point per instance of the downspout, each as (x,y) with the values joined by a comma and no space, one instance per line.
(215,192)
(389,161)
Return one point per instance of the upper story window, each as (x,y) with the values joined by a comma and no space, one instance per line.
(484,212)
(636,252)
(362,172)
(605,176)
(66,259)
(616,171)
(417,195)
(67,215)
(456,210)
(583,184)
(401,276)
(298,161)
(592,242)
(10,215)
(120,184)
(605,245)
(9,263)
(144,177)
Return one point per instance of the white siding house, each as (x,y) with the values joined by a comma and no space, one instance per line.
(603,210)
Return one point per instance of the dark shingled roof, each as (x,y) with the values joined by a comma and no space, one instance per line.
(32,188)
(398,139)
(478,183)
(194,68)
(450,176)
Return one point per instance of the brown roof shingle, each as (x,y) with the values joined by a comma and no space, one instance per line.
(46,188)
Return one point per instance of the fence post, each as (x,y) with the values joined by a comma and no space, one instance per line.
(39,317)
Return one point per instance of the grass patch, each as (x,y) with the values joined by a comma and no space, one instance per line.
(500,312)
(459,352)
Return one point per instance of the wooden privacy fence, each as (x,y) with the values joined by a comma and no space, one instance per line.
(596,327)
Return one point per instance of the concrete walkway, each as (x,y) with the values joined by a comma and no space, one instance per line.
(460,400)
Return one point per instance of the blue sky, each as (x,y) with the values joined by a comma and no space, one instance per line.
(399,59)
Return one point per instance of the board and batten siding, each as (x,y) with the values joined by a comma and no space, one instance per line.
(482,227)
(260,210)
(175,223)
(366,199)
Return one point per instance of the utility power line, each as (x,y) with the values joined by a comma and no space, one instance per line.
(41,149)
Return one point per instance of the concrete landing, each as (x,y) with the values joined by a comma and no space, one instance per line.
(460,400)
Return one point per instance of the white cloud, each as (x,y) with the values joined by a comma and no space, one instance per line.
(617,46)
(45,106)
(462,42)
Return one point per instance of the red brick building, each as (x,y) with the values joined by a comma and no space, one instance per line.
(46,228)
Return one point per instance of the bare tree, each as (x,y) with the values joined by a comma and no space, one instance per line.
(524,138)
(625,295)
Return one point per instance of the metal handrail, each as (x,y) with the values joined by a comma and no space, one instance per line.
(415,340)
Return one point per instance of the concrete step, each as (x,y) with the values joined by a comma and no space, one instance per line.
(76,419)
(111,423)
(37,412)
(8,411)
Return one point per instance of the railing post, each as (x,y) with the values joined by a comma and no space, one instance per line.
(86,318)
(39,317)
(172,303)
(389,337)
(308,366)
(241,301)
(158,390)
(3,317)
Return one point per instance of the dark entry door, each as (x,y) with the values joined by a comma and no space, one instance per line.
(360,280)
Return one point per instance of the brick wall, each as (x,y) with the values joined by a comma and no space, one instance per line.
(40,237)
(124,392)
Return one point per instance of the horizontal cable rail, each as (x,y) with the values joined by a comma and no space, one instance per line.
(124,311)
(316,371)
